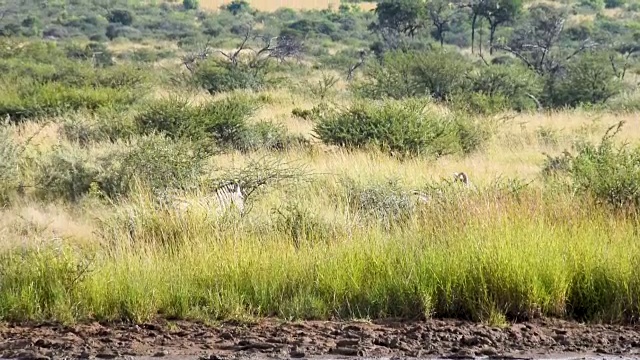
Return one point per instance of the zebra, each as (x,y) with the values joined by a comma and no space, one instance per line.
(463,178)
(421,197)
(225,196)
(231,194)
(424,198)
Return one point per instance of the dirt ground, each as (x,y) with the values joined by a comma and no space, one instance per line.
(273,339)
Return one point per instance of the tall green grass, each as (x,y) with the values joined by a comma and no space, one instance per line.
(491,256)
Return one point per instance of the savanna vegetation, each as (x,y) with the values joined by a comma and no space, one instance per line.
(331,120)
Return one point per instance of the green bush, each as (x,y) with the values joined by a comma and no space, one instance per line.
(596,5)
(267,135)
(28,100)
(102,125)
(407,127)
(65,173)
(222,123)
(218,76)
(190,4)
(158,162)
(437,73)
(589,79)
(611,4)
(514,84)
(607,172)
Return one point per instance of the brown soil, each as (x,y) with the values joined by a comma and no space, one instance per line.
(270,338)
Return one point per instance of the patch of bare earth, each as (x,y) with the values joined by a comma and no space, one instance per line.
(270,338)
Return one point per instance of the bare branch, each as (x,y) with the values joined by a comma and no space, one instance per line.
(190,59)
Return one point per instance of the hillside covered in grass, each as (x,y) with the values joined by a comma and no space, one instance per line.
(336,123)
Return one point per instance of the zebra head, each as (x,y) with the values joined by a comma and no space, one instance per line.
(231,194)
(461,177)
(238,197)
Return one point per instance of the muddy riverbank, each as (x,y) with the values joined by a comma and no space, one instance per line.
(326,339)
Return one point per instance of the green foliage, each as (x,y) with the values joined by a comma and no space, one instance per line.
(221,123)
(608,172)
(596,5)
(65,173)
(156,161)
(21,101)
(9,165)
(103,125)
(437,73)
(406,127)
(404,16)
(237,7)
(589,79)
(268,135)
(301,225)
(120,16)
(191,4)
(611,4)
(217,76)
(160,163)
(514,84)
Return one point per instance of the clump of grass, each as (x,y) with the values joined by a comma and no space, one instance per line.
(9,165)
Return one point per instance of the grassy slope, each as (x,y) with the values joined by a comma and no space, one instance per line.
(483,256)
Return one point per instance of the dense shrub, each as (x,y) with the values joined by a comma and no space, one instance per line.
(408,127)
(27,100)
(85,128)
(513,83)
(589,79)
(222,123)
(268,135)
(608,172)
(438,74)
(218,76)
(610,4)
(65,173)
(157,161)
(190,4)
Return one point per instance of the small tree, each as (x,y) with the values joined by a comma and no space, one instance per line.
(120,16)
(190,4)
(589,80)
(404,16)
(237,7)
(440,12)
(498,12)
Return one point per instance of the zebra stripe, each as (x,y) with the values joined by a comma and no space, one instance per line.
(225,197)
(230,194)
